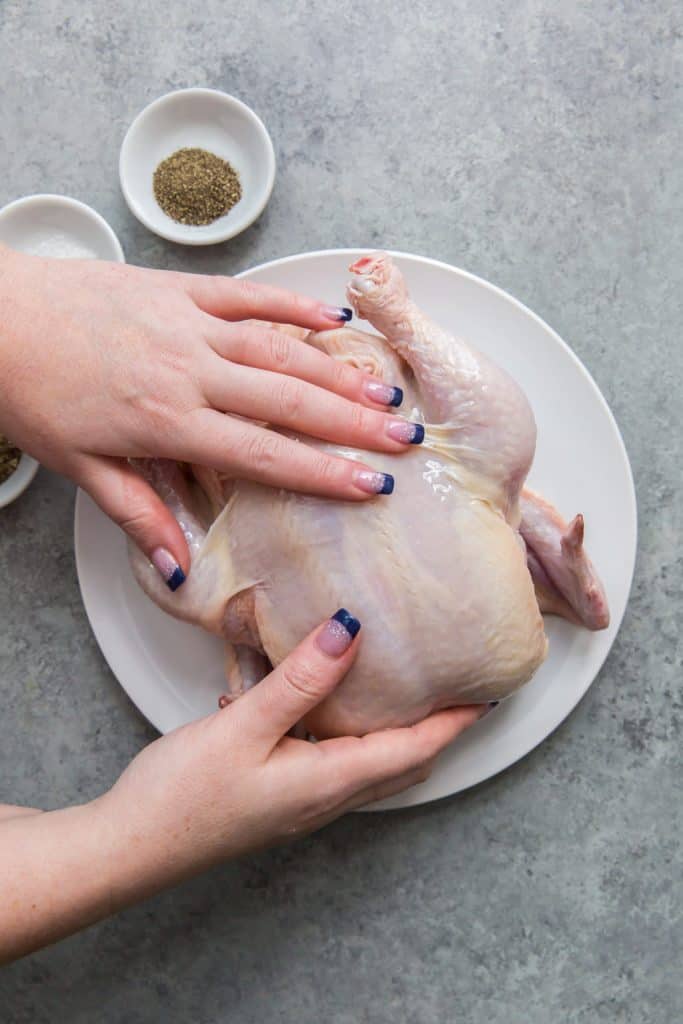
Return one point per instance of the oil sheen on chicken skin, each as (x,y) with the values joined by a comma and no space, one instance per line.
(437,573)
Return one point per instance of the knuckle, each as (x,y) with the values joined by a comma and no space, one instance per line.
(154,414)
(289,401)
(301,679)
(280,349)
(361,419)
(176,360)
(325,469)
(262,450)
(297,307)
(248,293)
(343,377)
(136,521)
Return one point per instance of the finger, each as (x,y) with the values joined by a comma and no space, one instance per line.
(308,675)
(238,299)
(294,332)
(265,348)
(246,450)
(380,756)
(369,796)
(383,790)
(129,500)
(306,408)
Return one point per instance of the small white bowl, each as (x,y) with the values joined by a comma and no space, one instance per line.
(50,225)
(17,483)
(207,119)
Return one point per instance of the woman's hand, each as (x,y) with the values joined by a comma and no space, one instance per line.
(235,781)
(218,788)
(101,362)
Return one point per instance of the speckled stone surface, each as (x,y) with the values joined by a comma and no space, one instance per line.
(538,145)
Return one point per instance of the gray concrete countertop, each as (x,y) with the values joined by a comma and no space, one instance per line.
(538,145)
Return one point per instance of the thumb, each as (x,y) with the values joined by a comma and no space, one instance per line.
(306,676)
(130,501)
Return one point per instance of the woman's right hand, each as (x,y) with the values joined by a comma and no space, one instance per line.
(218,788)
(236,781)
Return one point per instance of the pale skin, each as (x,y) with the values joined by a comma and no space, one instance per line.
(99,363)
(103,362)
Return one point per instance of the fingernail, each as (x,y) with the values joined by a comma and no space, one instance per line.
(405,432)
(384,394)
(489,707)
(339,313)
(167,567)
(374,483)
(336,635)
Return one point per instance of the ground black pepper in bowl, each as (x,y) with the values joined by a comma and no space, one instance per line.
(196,187)
(9,459)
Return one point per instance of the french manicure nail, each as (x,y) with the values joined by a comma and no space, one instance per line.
(342,314)
(167,567)
(406,432)
(384,394)
(337,634)
(374,483)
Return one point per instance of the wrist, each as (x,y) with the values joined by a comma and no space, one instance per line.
(141,853)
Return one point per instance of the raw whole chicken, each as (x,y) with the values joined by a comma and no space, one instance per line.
(449,576)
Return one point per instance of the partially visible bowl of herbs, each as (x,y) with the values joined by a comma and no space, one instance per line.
(197,166)
(17,470)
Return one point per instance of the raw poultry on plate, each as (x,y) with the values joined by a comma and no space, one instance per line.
(449,576)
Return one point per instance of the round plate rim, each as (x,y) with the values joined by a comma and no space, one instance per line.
(413,797)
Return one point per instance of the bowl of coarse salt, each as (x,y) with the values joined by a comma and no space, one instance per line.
(197,166)
(58,227)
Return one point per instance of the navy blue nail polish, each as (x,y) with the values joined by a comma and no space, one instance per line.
(176,579)
(342,314)
(346,619)
(388,484)
(397,397)
(494,703)
(167,566)
(419,435)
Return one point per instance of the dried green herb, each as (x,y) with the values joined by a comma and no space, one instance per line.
(9,458)
(194,186)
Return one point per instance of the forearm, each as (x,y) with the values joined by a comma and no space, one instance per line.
(63,870)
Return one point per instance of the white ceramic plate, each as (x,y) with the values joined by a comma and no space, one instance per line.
(173,672)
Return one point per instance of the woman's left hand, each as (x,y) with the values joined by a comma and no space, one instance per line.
(101,362)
